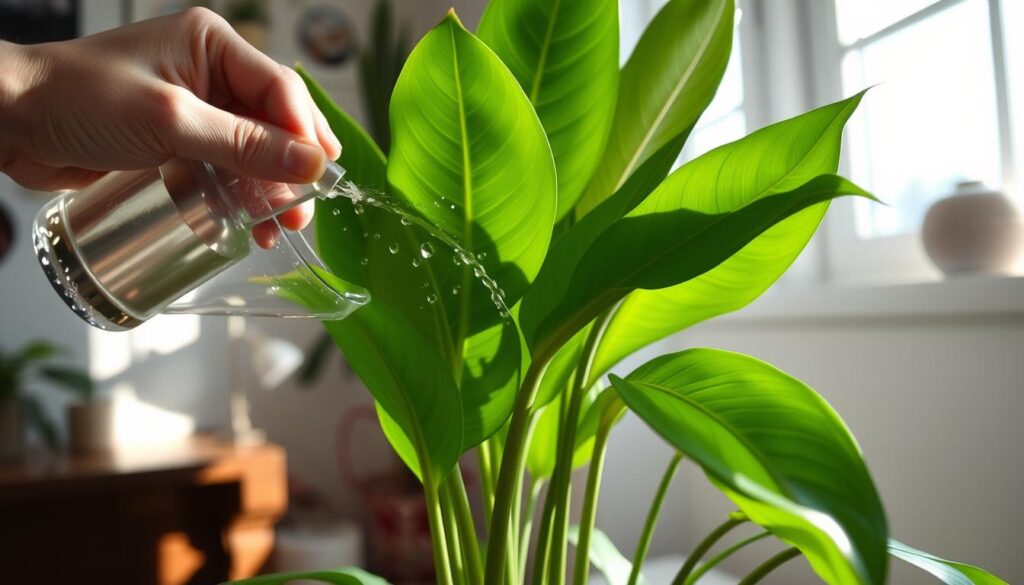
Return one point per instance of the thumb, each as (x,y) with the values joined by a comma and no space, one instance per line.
(245,146)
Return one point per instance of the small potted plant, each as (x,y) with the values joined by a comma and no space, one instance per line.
(20,410)
(90,417)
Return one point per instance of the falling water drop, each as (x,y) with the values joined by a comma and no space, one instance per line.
(358,208)
(426,250)
(393,247)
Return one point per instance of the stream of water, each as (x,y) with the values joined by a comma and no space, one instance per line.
(361,198)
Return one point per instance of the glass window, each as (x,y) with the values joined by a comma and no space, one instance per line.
(932,120)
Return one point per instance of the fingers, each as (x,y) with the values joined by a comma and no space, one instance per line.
(245,146)
(275,92)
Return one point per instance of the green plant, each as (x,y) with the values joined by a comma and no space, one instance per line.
(550,165)
(35,360)
(380,63)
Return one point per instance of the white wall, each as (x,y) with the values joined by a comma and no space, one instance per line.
(935,404)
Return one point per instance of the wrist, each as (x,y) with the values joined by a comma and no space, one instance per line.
(19,73)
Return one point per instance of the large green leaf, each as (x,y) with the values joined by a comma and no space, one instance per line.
(565,54)
(748,169)
(350,576)
(411,384)
(665,86)
(469,153)
(774,447)
(948,572)
(556,274)
(675,235)
(373,247)
(606,557)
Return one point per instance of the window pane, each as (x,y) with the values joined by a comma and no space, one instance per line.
(731,127)
(1013,23)
(730,90)
(861,18)
(931,123)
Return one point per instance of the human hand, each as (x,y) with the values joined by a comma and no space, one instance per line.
(184,85)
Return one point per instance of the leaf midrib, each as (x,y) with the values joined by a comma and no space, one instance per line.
(467,212)
(663,112)
(538,75)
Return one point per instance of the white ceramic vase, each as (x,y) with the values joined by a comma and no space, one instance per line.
(974,231)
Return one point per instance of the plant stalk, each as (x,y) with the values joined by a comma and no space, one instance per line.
(483,454)
(652,518)
(557,502)
(438,540)
(510,475)
(452,541)
(467,528)
(717,559)
(770,565)
(536,487)
(704,546)
(581,573)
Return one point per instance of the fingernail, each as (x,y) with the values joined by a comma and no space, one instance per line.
(334,142)
(305,161)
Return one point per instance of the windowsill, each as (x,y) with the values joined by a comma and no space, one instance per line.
(966,297)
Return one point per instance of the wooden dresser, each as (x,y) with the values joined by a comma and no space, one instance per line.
(196,512)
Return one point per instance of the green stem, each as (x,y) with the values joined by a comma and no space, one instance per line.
(467,528)
(536,487)
(652,518)
(704,546)
(770,565)
(483,454)
(543,549)
(558,494)
(510,475)
(715,560)
(438,540)
(582,571)
(456,553)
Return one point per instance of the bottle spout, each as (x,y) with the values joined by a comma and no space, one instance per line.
(287,197)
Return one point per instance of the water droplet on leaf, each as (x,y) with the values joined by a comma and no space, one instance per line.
(426,250)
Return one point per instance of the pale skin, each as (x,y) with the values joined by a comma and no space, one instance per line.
(184,85)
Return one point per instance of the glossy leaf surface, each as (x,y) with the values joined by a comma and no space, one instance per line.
(470,155)
(774,447)
(665,86)
(748,169)
(948,572)
(675,235)
(410,383)
(565,55)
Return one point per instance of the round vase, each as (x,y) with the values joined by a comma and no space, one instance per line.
(974,231)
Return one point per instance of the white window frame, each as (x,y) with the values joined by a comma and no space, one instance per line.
(848,258)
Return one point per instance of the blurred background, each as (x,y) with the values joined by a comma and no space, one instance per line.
(917,341)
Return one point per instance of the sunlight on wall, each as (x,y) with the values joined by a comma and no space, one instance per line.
(166,334)
(138,422)
(112,354)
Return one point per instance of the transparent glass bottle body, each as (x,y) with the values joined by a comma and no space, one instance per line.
(178,239)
